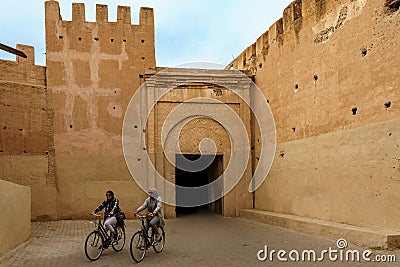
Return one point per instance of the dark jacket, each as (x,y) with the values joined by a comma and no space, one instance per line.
(111,205)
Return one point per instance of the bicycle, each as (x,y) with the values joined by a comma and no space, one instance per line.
(99,240)
(141,241)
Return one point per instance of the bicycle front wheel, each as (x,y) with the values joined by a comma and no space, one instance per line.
(158,245)
(94,246)
(120,243)
(138,246)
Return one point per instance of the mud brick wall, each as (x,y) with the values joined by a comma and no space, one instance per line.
(26,131)
(330,72)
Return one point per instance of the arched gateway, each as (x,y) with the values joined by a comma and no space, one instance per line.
(191,124)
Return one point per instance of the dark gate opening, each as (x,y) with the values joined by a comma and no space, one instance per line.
(199,178)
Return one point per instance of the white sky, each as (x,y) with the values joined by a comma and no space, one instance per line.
(185,30)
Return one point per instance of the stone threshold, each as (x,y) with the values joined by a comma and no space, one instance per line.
(362,236)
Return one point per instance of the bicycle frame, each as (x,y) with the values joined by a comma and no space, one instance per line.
(102,230)
(145,231)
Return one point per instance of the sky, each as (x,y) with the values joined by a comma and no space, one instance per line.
(215,31)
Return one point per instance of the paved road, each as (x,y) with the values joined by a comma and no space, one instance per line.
(200,239)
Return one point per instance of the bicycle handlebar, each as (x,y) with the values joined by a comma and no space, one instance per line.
(142,216)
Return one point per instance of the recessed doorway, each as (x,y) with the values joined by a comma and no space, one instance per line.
(202,177)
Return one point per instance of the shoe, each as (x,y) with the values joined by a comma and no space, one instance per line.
(157,238)
(115,237)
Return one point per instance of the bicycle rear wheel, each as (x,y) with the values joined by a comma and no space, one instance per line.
(138,246)
(158,245)
(120,243)
(94,246)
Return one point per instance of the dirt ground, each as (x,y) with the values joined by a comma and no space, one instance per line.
(196,239)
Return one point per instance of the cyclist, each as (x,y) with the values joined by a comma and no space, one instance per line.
(111,205)
(154,205)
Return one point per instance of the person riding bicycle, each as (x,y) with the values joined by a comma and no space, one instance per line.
(154,205)
(111,205)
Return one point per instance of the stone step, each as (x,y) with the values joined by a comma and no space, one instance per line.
(363,236)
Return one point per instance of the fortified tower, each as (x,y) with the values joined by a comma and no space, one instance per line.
(93,69)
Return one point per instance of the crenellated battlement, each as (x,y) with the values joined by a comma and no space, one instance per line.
(109,40)
(29,52)
(291,20)
(321,16)
(22,70)
(78,13)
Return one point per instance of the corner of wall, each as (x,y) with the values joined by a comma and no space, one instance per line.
(146,16)
(52,11)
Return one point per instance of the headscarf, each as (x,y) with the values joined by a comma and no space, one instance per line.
(112,195)
(152,205)
(153,193)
